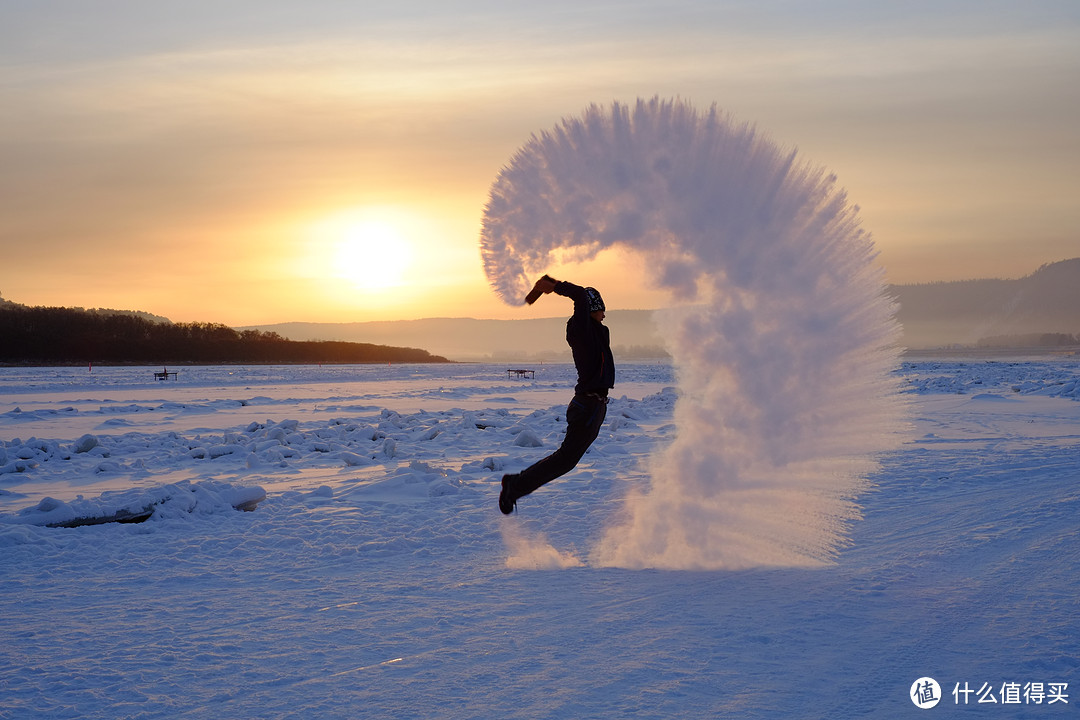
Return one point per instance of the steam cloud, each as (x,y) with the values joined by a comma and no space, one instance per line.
(783,344)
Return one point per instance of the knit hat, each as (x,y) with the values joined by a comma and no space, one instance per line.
(595,301)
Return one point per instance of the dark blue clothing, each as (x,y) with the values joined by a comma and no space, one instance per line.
(589,342)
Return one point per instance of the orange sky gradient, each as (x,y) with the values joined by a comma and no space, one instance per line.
(273,162)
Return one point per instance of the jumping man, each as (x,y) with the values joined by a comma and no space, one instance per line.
(589,342)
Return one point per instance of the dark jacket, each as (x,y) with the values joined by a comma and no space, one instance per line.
(590,343)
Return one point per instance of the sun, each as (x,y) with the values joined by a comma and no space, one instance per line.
(374,259)
(371,253)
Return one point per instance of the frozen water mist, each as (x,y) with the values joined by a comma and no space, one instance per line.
(783,339)
(532,551)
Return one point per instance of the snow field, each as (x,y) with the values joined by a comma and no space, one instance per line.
(393,587)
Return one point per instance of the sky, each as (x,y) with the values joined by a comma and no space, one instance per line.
(260,161)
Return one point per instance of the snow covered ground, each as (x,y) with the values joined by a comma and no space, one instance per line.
(378,579)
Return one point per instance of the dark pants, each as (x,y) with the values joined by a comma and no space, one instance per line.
(584,416)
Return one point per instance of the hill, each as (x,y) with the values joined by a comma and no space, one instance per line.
(1041,309)
(993,311)
(45,336)
(633,333)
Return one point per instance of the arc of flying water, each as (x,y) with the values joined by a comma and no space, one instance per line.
(783,350)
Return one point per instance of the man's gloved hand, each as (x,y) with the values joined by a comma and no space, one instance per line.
(544,285)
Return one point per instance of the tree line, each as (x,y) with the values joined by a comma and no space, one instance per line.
(50,335)
(1030,340)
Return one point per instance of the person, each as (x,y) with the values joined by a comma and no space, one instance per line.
(590,344)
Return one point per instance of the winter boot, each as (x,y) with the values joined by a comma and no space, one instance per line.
(507,501)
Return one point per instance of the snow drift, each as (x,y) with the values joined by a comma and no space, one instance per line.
(137,505)
(782,337)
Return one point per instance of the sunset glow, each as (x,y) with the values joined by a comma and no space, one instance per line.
(371,253)
(333,164)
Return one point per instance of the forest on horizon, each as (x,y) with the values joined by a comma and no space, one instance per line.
(61,336)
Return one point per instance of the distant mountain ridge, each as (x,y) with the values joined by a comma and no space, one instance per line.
(633,333)
(967,311)
(933,315)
